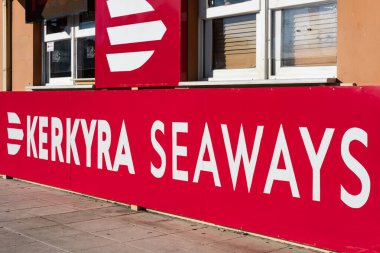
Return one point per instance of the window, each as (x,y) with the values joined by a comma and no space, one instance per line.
(231,48)
(275,39)
(304,40)
(69,48)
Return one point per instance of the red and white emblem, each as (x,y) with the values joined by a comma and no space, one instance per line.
(132,33)
(139,43)
(15,135)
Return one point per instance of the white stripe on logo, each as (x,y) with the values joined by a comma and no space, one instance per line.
(13,149)
(128,61)
(15,134)
(120,8)
(141,32)
(13,118)
(131,33)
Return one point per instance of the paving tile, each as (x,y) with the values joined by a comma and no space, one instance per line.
(6,185)
(166,243)
(171,226)
(112,211)
(56,196)
(129,233)
(36,247)
(72,217)
(208,235)
(89,204)
(51,233)
(80,242)
(143,218)
(293,249)
(115,248)
(48,210)
(28,188)
(50,192)
(9,239)
(3,230)
(28,223)
(202,249)
(6,193)
(74,223)
(15,215)
(248,244)
(24,204)
(99,224)
(13,198)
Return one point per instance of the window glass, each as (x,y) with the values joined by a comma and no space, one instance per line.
(57,25)
(87,20)
(213,3)
(309,36)
(86,57)
(234,42)
(60,59)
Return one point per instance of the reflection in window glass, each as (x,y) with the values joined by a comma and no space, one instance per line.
(86,57)
(309,36)
(213,3)
(60,59)
(57,25)
(87,20)
(234,42)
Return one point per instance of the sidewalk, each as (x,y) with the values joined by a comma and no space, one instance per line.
(39,219)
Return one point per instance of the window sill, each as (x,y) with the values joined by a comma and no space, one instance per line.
(264,83)
(59,87)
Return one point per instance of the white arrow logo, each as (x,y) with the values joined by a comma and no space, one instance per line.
(133,33)
(14,134)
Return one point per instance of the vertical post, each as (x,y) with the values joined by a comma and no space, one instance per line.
(6,50)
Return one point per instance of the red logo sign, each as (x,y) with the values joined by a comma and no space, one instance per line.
(138,43)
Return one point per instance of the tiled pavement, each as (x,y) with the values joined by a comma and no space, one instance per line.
(38,219)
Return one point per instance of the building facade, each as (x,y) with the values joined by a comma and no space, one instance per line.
(225,111)
(346,52)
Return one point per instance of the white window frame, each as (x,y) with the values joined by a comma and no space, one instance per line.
(281,72)
(66,35)
(264,48)
(80,33)
(280,4)
(75,33)
(207,15)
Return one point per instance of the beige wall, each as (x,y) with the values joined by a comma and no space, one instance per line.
(26,50)
(359,41)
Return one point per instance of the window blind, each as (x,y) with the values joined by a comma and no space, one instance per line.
(213,3)
(309,36)
(234,42)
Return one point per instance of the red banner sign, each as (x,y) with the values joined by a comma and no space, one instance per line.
(140,43)
(301,164)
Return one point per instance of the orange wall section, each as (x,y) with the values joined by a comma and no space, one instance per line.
(26,49)
(359,41)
